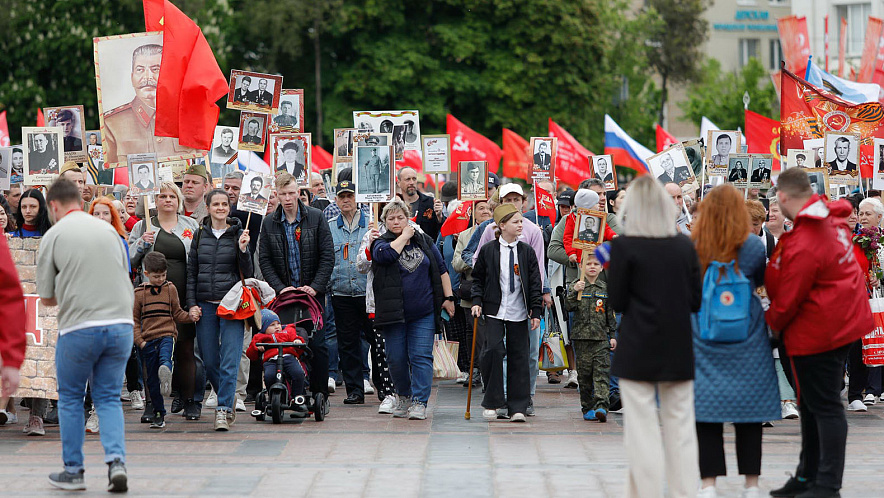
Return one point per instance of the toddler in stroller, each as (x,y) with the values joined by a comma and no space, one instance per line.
(284,377)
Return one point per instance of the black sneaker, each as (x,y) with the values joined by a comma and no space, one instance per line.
(192,410)
(117,478)
(147,416)
(159,421)
(250,398)
(177,405)
(793,488)
(68,480)
(51,417)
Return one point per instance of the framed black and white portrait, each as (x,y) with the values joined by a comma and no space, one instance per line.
(589,228)
(842,157)
(223,154)
(373,173)
(603,170)
(252,131)
(363,139)
(5,167)
(71,120)
(671,166)
(256,92)
(472,180)
(738,170)
(44,154)
(291,152)
(799,158)
(386,121)
(398,141)
(343,144)
(17,165)
(759,170)
(819,180)
(143,174)
(543,156)
(255,192)
(819,149)
(720,144)
(694,150)
(290,117)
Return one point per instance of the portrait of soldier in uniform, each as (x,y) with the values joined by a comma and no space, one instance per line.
(589,231)
(242,94)
(473,180)
(129,128)
(261,96)
(287,117)
(252,133)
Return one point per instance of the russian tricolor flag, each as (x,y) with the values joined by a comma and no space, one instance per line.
(249,161)
(625,150)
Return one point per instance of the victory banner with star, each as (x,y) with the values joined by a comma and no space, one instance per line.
(808,112)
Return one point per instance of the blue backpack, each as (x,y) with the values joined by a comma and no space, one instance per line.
(724,312)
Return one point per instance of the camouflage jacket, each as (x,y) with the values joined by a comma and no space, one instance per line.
(593,318)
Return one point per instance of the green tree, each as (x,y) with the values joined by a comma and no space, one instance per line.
(718,95)
(675,45)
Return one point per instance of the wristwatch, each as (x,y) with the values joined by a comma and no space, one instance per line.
(451,298)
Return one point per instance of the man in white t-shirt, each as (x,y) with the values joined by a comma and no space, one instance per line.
(83,268)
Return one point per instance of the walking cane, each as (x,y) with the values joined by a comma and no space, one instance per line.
(466,415)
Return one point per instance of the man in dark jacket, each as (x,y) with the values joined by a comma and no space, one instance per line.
(426,210)
(818,302)
(296,252)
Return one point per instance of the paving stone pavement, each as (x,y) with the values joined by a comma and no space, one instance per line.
(357,452)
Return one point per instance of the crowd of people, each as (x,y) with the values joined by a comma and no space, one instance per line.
(631,311)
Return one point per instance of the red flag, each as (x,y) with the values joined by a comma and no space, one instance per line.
(871,50)
(41,121)
(763,136)
(572,159)
(808,112)
(664,138)
(411,159)
(842,48)
(795,42)
(545,205)
(515,156)
(321,159)
(4,130)
(459,220)
(190,80)
(467,145)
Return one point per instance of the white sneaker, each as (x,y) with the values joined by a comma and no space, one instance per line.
(790,411)
(870,399)
(124,395)
(137,400)
(211,400)
(366,387)
(572,379)
(463,378)
(221,423)
(857,406)
(240,405)
(753,492)
(489,414)
(92,423)
(387,404)
(331,385)
(518,417)
(709,492)
(882,398)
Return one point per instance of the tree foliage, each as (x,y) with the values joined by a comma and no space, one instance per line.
(718,95)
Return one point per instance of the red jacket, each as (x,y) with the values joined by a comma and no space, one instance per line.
(569,236)
(817,291)
(12,311)
(288,334)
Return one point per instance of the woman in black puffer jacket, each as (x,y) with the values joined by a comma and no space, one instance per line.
(218,256)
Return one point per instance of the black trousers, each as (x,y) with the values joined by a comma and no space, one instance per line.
(319,362)
(858,371)
(352,321)
(515,348)
(710,441)
(823,423)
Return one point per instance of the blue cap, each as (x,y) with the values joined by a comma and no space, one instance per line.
(267,318)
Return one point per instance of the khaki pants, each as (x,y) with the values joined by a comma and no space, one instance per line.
(651,451)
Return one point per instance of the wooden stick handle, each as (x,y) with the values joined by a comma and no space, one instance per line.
(466,415)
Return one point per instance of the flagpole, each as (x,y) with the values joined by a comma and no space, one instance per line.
(827,42)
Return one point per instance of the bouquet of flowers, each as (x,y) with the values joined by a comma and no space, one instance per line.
(869,240)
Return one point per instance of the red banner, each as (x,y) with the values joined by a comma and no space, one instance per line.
(572,159)
(763,136)
(4,130)
(320,158)
(808,112)
(459,220)
(516,163)
(664,138)
(795,42)
(545,205)
(871,50)
(467,145)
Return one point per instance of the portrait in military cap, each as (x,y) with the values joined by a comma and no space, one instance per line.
(70,119)
(127,69)
(252,132)
(256,92)
(291,152)
(291,112)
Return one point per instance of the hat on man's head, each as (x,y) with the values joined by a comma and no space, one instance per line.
(585,198)
(198,169)
(500,212)
(68,166)
(510,188)
(448,192)
(267,318)
(493,180)
(290,145)
(566,198)
(345,186)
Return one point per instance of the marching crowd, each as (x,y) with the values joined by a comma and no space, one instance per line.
(632,310)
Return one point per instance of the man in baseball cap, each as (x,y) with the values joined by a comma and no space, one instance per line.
(493,184)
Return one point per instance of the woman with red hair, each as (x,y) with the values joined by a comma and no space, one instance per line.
(103,208)
(733,381)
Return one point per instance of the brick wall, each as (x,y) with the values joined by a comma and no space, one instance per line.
(38,368)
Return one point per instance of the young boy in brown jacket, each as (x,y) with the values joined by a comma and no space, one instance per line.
(155,312)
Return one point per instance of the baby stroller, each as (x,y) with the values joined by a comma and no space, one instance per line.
(275,399)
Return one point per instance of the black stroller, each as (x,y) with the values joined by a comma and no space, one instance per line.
(276,399)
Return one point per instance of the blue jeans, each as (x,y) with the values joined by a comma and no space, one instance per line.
(97,355)
(410,356)
(156,353)
(220,343)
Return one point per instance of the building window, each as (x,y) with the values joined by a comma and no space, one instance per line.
(857,16)
(776,55)
(748,49)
